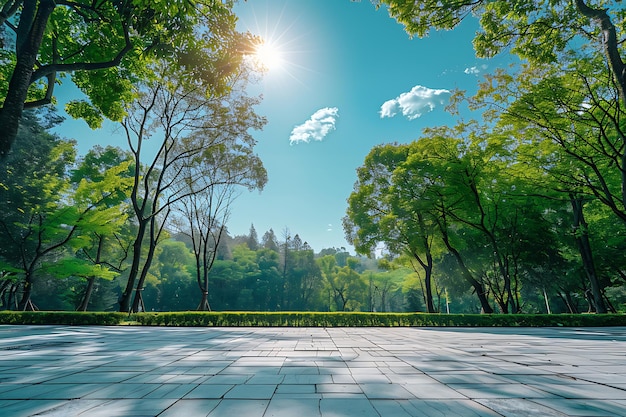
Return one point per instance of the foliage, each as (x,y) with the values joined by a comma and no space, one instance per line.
(204,149)
(106,47)
(46,217)
(62,318)
(319,319)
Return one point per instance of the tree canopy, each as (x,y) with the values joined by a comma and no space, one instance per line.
(539,31)
(105,47)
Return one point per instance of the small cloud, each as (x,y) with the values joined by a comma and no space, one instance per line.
(475,70)
(321,123)
(415,103)
(330,228)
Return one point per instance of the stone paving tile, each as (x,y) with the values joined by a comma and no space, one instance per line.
(343,407)
(386,391)
(308,379)
(27,408)
(209,391)
(190,408)
(228,379)
(170,391)
(339,388)
(470,378)
(132,372)
(584,391)
(251,392)
(266,379)
(586,408)
(433,391)
(129,408)
(510,391)
(518,407)
(343,379)
(430,408)
(296,407)
(296,389)
(236,408)
(370,379)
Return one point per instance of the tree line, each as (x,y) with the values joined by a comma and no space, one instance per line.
(529,197)
(520,210)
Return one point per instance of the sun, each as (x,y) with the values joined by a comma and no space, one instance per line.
(268,56)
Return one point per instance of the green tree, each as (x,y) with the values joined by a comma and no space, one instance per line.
(106,46)
(570,134)
(346,287)
(268,284)
(536,30)
(209,188)
(269,240)
(105,170)
(195,131)
(379,211)
(303,279)
(253,238)
(44,221)
(174,268)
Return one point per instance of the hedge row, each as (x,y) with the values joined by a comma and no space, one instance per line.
(72,318)
(309,319)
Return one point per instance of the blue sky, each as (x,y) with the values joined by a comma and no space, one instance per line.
(351,78)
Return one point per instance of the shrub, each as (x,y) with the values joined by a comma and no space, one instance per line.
(312,319)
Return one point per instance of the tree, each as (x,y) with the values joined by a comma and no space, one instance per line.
(196,132)
(174,269)
(209,188)
(269,240)
(45,223)
(268,282)
(537,31)
(303,278)
(106,46)
(346,287)
(568,128)
(253,238)
(380,211)
(98,167)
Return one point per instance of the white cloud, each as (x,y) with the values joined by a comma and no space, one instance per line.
(475,70)
(321,123)
(415,103)
(330,227)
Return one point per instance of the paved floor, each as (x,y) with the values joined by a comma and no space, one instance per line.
(311,372)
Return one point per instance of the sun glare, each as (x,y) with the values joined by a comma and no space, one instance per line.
(268,56)
(277,48)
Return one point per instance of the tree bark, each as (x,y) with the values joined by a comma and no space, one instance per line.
(610,44)
(27,51)
(581,234)
(125,299)
(91,280)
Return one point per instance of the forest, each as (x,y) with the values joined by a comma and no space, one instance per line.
(519,209)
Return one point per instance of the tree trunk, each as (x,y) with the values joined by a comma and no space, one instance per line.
(428,273)
(88,291)
(25,300)
(465,272)
(152,244)
(30,34)
(91,280)
(124,301)
(581,233)
(204,302)
(610,43)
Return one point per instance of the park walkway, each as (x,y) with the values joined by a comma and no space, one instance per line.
(66,371)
